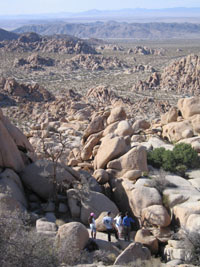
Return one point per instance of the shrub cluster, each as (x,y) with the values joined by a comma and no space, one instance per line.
(181,158)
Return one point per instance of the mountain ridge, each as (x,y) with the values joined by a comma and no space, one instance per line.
(113,29)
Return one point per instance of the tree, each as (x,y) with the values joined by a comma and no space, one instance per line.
(54,155)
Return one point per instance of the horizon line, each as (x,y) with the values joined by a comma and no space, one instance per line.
(98,10)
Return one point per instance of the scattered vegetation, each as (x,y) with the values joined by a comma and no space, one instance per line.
(191,242)
(181,158)
(21,246)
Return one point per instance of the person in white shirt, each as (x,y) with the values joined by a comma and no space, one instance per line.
(109,224)
(118,223)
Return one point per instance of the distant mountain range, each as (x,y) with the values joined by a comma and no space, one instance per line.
(112,29)
(137,15)
(98,14)
(125,23)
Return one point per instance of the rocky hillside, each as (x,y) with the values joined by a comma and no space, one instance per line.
(12,92)
(114,29)
(93,176)
(6,35)
(180,76)
(32,42)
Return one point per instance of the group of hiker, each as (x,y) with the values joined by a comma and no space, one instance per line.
(117,226)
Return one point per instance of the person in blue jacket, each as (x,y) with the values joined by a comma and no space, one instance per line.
(127,220)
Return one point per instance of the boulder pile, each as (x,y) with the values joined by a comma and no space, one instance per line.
(12,92)
(34,62)
(94,62)
(32,42)
(143,50)
(181,77)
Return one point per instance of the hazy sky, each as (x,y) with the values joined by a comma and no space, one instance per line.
(53,6)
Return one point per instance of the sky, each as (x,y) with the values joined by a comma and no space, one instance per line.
(18,7)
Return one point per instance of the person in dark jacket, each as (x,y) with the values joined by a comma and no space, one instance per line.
(127,220)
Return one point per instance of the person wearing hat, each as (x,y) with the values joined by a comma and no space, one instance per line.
(92,224)
(110,226)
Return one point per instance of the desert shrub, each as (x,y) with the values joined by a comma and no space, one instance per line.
(168,162)
(159,181)
(155,157)
(184,154)
(181,169)
(182,157)
(191,242)
(21,246)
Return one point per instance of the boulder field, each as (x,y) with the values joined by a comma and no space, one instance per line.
(104,170)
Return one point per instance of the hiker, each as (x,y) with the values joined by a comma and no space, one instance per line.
(127,220)
(118,223)
(110,227)
(92,224)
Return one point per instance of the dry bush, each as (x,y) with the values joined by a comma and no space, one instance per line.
(21,246)
(191,241)
(159,181)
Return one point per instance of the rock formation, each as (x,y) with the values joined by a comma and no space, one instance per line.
(32,42)
(180,76)
(94,62)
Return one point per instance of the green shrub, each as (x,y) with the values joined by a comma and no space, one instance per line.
(168,161)
(178,161)
(185,155)
(181,169)
(155,157)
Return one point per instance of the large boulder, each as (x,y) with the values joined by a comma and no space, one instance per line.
(116,114)
(71,239)
(10,156)
(176,131)
(140,125)
(14,146)
(193,223)
(44,226)
(124,128)
(183,212)
(92,141)
(101,176)
(97,203)
(11,185)
(156,142)
(9,205)
(195,121)
(95,126)
(110,128)
(156,215)
(144,237)
(39,177)
(73,198)
(169,116)
(134,252)
(117,147)
(19,138)
(134,159)
(143,197)
(189,106)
